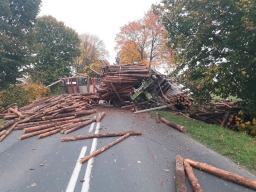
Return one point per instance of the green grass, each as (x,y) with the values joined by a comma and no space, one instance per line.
(241,149)
(1,121)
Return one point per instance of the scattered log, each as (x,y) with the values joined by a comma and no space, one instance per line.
(40,127)
(2,132)
(79,126)
(180,183)
(48,133)
(223,174)
(8,123)
(17,112)
(8,131)
(174,125)
(25,136)
(192,178)
(82,160)
(155,108)
(101,115)
(111,134)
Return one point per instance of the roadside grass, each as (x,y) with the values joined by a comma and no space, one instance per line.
(240,148)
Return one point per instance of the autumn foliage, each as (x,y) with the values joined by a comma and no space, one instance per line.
(35,91)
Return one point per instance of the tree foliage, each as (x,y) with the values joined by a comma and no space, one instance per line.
(93,54)
(56,47)
(144,41)
(215,45)
(16,25)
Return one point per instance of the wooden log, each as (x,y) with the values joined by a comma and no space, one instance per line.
(25,136)
(10,116)
(17,112)
(223,174)
(101,115)
(40,127)
(2,132)
(180,183)
(48,133)
(79,126)
(110,134)
(8,131)
(82,160)
(225,120)
(157,117)
(174,125)
(192,178)
(7,124)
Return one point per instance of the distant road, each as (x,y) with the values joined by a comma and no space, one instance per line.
(138,163)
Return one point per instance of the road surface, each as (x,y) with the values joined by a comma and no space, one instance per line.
(139,163)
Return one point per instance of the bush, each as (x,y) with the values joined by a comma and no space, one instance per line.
(35,91)
(14,94)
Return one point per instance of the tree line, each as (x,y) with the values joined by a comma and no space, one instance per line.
(42,48)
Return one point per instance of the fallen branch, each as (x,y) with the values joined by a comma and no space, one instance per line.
(111,134)
(192,178)
(174,125)
(180,183)
(223,174)
(104,148)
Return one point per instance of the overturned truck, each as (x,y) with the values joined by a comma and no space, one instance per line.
(135,83)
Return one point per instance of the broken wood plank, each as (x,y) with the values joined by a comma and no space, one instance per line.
(82,160)
(223,174)
(174,125)
(192,178)
(180,183)
(110,134)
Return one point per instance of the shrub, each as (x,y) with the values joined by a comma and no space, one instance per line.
(35,91)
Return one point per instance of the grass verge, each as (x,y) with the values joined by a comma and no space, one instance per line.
(241,149)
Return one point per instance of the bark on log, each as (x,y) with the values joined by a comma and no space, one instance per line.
(101,115)
(8,131)
(82,160)
(37,133)
(2,132)
(174,125)
(111,134)
(225,120)
(17,113)
(79,126)
(40,127)
(48,133)
(7,124)
(180,183)
(223,174)
(192,178)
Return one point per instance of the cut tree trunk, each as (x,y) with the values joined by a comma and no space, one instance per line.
(101,115)
(192,178)
(82,160)
(79,126)
(174,125)
(17,113)
(48,133)
(111,134)
(180,183)
(8,131)
(223,174)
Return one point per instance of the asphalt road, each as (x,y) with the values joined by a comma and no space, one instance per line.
(138,163)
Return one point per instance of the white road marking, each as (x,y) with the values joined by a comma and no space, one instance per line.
(91,127)
(74,176)
(87,176)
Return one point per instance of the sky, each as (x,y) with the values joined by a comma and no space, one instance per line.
(102,18)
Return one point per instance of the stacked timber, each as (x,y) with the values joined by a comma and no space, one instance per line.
(120,80)
(47,116)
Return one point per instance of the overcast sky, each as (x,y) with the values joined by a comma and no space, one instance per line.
(98,17)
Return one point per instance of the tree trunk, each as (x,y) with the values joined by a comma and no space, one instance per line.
(82,160)
(101,115)
(111,134)
(192,178)
(48,133)
(180,183)
(223,174)
(79,126)
(8,131)
(174,125)
(17,113)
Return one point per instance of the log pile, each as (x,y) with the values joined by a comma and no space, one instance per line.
(123,78)
(220,113)
(47,116)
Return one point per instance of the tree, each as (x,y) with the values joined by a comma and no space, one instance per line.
(93,54)
(16,26)
(215,45)
(55,50)
(144,38)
